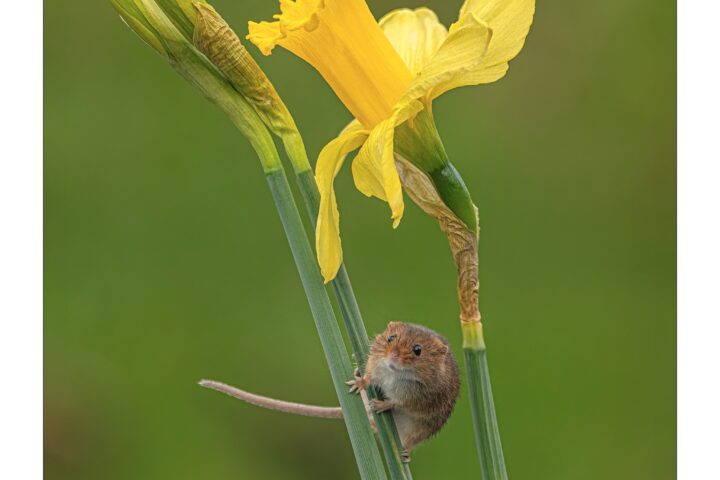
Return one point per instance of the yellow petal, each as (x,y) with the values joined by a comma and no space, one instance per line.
(367,168)
(344,43)
(510,22)
(374,168)
(299,14)
(464,49)
(415,34)
(295,15)
(265,35)
(327,230)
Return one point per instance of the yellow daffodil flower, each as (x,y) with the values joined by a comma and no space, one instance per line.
(387,75)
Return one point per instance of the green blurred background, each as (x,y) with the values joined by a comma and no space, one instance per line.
(165,261)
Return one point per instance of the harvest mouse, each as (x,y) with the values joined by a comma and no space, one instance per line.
(414,368)
(419,378)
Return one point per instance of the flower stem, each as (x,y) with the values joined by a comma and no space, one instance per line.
(153,25)
(241,114)
(464,247)
(487,433)
(361,436)
(354,325)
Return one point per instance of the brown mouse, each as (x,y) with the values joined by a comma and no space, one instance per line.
(414,368)
(417,373)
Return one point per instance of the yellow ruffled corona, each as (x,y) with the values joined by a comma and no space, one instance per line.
(386,73)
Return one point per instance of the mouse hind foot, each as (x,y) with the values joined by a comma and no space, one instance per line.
(379,406)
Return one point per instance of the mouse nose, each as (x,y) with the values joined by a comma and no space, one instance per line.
(394,356)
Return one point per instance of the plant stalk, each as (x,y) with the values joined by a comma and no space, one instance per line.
(361,436)
(464,247)
(487,433)
(152,24)
(352,318)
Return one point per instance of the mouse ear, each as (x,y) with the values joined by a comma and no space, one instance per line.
(393,325)
(444,347)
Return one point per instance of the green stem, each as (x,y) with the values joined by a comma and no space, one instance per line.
(158,30)
(487,433)
(387,432)
(354,325)
(361,436)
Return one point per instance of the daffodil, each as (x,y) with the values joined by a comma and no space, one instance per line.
(387,74)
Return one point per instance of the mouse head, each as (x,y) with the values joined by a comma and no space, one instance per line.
(406,346)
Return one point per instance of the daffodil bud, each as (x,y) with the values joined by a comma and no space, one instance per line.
(216,40)
(182,13)
(168,26)
(138,23)
(152,23)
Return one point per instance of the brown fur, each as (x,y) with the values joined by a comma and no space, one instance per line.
(420,390)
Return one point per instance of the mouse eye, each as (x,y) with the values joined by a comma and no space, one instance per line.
(391,338)
(417,350)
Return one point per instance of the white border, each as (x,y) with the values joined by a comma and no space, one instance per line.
(21,242)
(698,240)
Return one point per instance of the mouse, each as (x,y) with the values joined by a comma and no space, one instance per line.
(416,372)
(419,378)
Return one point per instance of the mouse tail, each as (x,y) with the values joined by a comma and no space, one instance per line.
(273,404)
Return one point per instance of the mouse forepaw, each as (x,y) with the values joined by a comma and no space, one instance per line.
(405,456)
(358,384)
